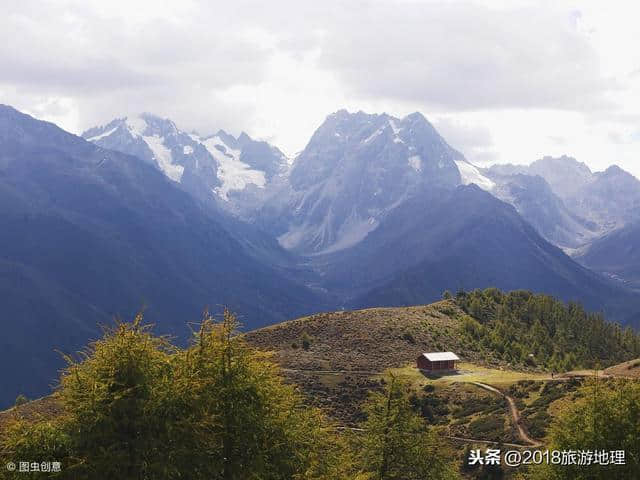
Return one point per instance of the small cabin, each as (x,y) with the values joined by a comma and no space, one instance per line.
(437,361)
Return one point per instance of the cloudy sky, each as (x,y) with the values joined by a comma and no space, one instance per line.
(503,81)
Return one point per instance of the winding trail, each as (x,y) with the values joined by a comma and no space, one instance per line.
(515,414)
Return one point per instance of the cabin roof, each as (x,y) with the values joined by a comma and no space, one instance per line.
(440,356)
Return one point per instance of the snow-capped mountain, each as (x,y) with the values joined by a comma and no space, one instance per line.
(600,202)
(355,170)
(220,166)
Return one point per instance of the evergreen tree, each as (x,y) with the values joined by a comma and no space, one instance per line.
(138,408)
(396,444)
(248,423)
(560,337)
(606,418)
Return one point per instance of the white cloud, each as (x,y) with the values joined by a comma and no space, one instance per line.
(503,80)
(464,56)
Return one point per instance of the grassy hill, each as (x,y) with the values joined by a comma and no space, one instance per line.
(337,358)
(630,369)
(373,339)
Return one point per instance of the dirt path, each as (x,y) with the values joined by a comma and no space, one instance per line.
(515,414)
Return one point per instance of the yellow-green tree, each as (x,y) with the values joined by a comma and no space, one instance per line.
(244,422)
(605,418)
(135,407)
(396,444)
(108,429)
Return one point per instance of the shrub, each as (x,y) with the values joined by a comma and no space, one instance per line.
(408,337)
(306,341)
(490,427)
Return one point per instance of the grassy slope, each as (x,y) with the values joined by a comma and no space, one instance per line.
(630,369)
(350,352)
(373,339)
(45,407)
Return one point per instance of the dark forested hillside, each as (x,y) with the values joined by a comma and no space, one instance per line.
(525,328)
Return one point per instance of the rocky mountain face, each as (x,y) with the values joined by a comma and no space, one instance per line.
(599,202)
(355,171)
(536,201)
(594,216)
(362,178)
(609,199)
(566,176)
(465,239)
(231,176)
(88,233)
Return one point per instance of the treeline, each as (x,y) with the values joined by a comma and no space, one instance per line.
(532,329)
(137,407)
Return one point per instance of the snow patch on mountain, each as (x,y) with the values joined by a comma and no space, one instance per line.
(373,135)
(350,233)
(232,172)
(470,174)
(136,126)
(415,162)
(163,157)
(102,135)
(393,126)
(396,131)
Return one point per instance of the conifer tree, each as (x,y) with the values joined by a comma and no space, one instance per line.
(248,423)
(605,418)
(396,443)
(137,408)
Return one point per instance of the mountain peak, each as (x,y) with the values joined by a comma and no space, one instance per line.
(20,128)
(343,112)
(618,177)
(389,160)
(563,161)
(416,117)
(616,171)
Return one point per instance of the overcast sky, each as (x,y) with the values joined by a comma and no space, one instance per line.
(503,81)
